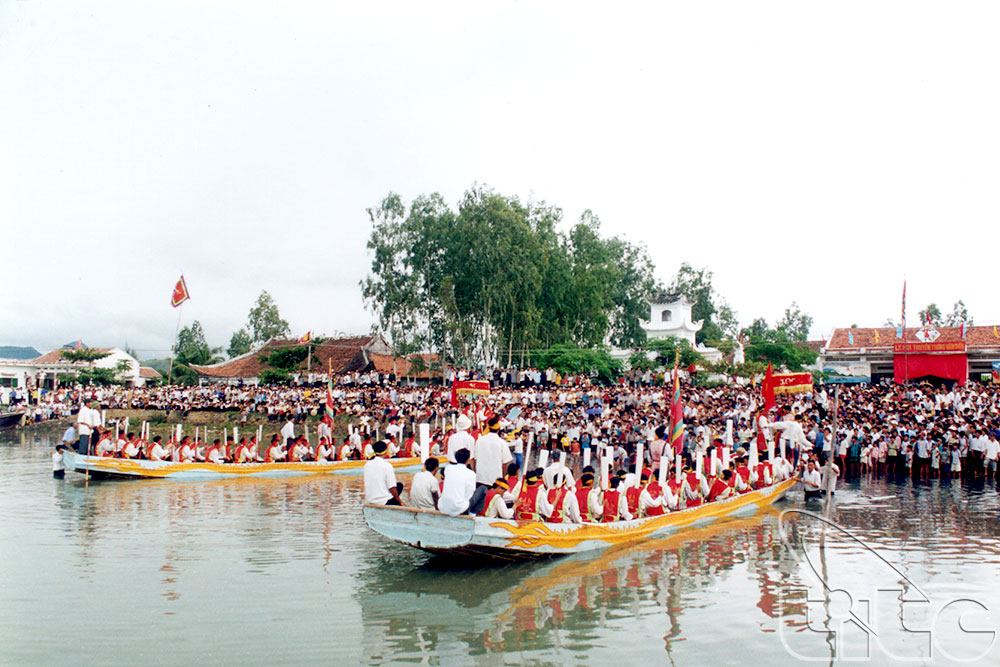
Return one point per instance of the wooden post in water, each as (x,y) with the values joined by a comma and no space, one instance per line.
(829,460)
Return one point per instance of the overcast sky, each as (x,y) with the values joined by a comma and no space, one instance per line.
(805,152)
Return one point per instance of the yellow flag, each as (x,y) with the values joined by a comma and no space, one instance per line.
(876,336)
(995,334)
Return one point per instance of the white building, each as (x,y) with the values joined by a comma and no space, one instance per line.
(670,315)
(51,368)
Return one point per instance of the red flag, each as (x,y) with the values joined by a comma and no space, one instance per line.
(180,293)
(902,311)
(676,416)
(454,395)
(328,413)
(768,389)
(305,339)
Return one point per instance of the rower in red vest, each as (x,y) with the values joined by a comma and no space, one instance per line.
(346,451)
(494,505)
(324,452)
(557,498)
(590,512)
(242,453)
(615,506)
(694,488)
(274,452)
(513,479)
(744,477)
(653,500)
(213,454)
(721,488)
(132,447)
(632,494)
(765,474)
(187,449)
(529,502)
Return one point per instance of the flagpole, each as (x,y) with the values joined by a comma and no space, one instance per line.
(173,347)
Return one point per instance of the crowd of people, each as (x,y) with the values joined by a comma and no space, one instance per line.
(920,430)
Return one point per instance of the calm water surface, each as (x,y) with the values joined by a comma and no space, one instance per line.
(268,571)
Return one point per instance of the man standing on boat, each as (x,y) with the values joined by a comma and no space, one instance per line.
(461,438)
(380,479)
(86,420)
(288,432)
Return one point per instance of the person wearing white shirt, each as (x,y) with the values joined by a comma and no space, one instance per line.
(490,455)
(380,479)
(86,420)
(459,485)
(811,480)
(288,432)
(424,490)
(461,439)
(157,452)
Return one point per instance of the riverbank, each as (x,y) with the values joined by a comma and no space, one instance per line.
(161,422)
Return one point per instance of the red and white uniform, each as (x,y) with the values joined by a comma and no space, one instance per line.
(157,452)
(615,506)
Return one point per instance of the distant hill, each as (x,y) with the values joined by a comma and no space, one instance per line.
(15,352)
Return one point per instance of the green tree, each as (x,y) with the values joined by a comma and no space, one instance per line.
(569,359)
(718,319)
(264,320)
(192,348)
(774,345)
(795,324)
(239,343)
(87,354)
(959,314)
(670,348)
(495,279)
(934,314)
(287,358)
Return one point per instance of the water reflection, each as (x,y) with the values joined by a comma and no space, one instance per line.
(573,602)
(294,555)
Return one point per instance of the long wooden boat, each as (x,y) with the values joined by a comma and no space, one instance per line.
(506,539)
(101,466)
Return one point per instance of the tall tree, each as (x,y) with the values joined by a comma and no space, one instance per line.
(795,323)
(959,314)
(192,348)
(931,312)
(494,279)
(264,321)
(239,343)
(718,319)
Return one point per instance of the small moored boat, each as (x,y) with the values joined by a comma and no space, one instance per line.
(100,466)
(520,540)
(15,418)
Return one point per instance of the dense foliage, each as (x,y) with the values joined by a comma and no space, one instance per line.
(495,281)
(264,321)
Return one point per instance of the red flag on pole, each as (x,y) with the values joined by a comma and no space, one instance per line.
(180,293)
(676,416)
(328,413)
(306,338)
(768,389)
(454,396)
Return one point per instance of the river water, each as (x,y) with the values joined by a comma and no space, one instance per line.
(285,571)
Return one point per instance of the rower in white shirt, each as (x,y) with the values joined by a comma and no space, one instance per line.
(157,452)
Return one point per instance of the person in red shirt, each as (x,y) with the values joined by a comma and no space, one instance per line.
(721,487)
